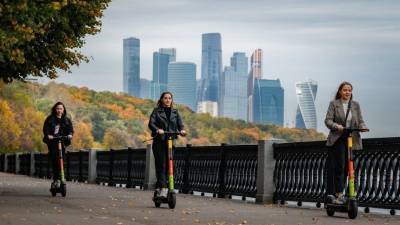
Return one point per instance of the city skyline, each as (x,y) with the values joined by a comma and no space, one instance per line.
(328,42)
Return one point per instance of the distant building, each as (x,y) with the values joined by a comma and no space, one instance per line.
(306,114)
(208,107)
(182,83)
(268,102)
(131,66)
(255,73)
(233,89)
(169,51)
(160,73)
(211,65)
(145,88)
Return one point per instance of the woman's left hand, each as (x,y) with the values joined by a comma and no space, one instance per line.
(70,136)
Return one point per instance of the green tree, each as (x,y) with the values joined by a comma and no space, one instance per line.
(40,37)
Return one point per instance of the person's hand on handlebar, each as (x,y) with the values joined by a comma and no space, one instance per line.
(339,127)
(70,136)
(183,132)
(50,137)
(160,131)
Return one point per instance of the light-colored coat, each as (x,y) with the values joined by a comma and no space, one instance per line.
(336,116)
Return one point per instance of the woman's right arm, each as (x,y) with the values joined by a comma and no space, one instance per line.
(330,115)
(152,122)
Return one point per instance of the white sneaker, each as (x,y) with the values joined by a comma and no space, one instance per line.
(164,192)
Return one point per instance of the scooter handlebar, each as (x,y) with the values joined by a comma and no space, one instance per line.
(356,129)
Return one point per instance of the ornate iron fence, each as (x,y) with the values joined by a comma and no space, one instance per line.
(223,170)
(301,172)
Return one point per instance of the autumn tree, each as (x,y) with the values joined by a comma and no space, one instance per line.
(40,37)
(10,131)
(83,138)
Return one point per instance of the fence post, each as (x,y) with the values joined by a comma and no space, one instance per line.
(92,164)
(32,164)
(150,172)
(17,162)
(222,169)
(129,168)
(265,171)
(110,176)
(186,183)
(5,162)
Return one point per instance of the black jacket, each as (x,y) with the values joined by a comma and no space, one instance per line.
(158,120)
(49,126)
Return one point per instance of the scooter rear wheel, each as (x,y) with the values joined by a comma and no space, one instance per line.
(171,200)
(330,212)
(53,193)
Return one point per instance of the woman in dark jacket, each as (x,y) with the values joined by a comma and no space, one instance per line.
(343,112)
(163,118)
(57,124)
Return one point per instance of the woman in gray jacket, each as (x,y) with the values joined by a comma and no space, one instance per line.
(343,112)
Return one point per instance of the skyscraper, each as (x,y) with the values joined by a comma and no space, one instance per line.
(268,102)
(169,51)
(160,74)
(211,66)
(131,66)
(145,88)
(306,114)
(233,89)
(255,73)
(182,83)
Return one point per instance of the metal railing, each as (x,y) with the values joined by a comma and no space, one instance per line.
(301,172)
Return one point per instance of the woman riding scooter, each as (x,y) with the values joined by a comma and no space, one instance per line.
(343,112)
(57,124)
(164,118)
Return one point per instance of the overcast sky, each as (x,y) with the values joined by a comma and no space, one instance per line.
(327,41)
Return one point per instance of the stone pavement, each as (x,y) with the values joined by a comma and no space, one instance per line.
(26,200)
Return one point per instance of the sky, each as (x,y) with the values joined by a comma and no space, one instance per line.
(326,41)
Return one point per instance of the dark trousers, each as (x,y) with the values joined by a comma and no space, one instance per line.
(54,159)
(160,149)
(337,171)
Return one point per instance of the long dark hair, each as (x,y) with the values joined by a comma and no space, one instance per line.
(54,113)
(160,104)
(338,96)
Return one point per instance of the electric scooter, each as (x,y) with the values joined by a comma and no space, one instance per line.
(171,197)
(350,205)
(62,187)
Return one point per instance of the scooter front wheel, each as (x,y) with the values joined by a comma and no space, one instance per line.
(63,190)
(353,209)
(171,200)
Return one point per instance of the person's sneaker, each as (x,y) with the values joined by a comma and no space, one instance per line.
(54,184)
(58,183)
(339,199)
(164,192)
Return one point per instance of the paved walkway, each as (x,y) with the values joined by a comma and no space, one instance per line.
(25,200)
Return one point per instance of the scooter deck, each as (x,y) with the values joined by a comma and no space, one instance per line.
(338,207)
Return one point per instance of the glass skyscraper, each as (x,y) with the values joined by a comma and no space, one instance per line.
(169,51)
(145,87)
(131,66)
(160,74)
(182,83)
(306,114)
(268,102)
(233,89)
(255,73)
(211,66)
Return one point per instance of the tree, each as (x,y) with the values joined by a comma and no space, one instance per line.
(83,137)
(10,131)
(40,37)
